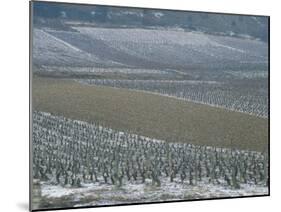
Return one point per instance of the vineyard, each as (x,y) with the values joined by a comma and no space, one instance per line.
(247,96)
(150,49)
(173,63)
(77,155)
(134,115)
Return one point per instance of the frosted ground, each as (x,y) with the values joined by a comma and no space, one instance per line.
(104,194)
(156,60)
(51,133)
(222,71)
(146,48)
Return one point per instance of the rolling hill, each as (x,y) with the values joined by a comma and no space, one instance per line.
(146,48)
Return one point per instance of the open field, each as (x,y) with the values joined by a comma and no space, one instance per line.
(248,96)
(151,115)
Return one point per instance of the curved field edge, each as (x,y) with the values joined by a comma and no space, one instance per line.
(151,115)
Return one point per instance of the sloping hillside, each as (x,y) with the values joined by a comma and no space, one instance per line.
(142,48)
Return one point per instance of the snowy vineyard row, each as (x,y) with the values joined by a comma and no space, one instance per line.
(152,48)
(178,38)
(234,97)
(101,70)
(72,153)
